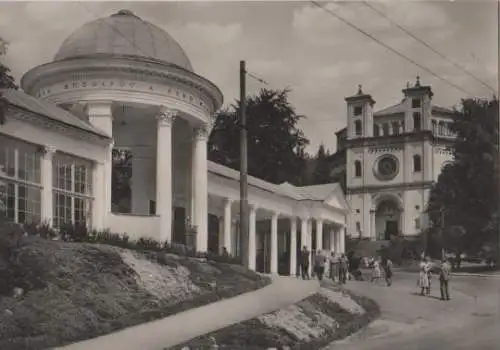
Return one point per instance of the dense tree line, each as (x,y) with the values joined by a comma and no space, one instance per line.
(465,199)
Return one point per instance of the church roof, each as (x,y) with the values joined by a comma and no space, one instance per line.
(401,108)
(313,193)
(48,110)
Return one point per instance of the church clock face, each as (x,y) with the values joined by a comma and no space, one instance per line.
(386,167)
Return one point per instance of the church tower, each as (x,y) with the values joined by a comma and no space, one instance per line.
(417,101)
(359,115)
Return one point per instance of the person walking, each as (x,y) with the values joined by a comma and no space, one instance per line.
(376,274)
(319,264)
(424,277)
(444,278)
(388,272)
(304,263)
(343,268)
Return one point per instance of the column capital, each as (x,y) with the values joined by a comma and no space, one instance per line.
(252,207)
(167,116)
(48,150)
(228,201)
(276,215)
(319,221)
(201,133)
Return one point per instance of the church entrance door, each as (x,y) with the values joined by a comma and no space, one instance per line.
(391,229)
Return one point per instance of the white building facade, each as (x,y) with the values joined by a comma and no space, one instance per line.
(390,159)
(140,93)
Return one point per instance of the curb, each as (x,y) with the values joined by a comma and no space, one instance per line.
(466,274)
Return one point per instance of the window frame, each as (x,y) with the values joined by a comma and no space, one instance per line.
(417,116)
(357,111)
(417,163)
(358,128)
(13,183)
(416,102)
(358,169)
(70,196)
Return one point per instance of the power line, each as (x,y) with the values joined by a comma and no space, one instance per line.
(426,44)
(390,48)
(257,78)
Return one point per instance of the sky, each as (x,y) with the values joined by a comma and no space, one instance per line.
(296,45)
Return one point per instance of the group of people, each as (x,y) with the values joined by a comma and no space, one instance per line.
(384,264)
(425,277)
(339,270)
(321,261)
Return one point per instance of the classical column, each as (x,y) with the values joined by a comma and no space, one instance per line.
(227,225)
(220,233)
(274,243)
(200,190)
(47,196)
(293,246)
(332,239)
(101,116)
(303,233)
(164,173)
(342,239)
(252,244)
(319,234)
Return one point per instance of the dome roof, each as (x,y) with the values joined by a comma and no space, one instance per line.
(123,34)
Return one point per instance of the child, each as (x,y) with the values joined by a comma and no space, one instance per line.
(376,271)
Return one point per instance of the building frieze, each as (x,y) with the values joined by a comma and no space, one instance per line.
(112,74)
(391,187)
(390,140)
(394,148)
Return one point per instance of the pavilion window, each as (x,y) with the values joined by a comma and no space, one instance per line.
(72,190)
(20,181)
(376,130)
(417,163)
(358,128)
(434,127)
(357,169)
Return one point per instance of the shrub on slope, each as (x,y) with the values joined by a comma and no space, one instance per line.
(76,291)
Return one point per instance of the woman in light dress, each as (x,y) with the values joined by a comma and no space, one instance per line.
(425,277)
(376,273)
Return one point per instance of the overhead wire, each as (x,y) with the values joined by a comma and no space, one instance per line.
(390,48)
(423,42)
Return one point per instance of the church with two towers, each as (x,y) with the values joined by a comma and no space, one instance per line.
(388,160)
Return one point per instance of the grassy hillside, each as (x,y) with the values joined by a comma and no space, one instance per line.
(76,291)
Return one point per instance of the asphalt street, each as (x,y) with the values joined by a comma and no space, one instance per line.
(471,320)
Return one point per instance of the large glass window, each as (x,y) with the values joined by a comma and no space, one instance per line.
(72,187)
(20,181)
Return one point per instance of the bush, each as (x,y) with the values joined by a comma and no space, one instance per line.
(80,233)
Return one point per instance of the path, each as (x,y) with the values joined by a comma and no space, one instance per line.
(179,328)
(411,322)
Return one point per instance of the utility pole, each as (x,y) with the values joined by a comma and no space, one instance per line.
(442,233)
(244,236)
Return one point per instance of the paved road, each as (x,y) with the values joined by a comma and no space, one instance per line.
(471,320)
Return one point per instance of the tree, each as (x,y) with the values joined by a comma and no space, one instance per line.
(275,144)
(466,193)
(321,174)
(6,80)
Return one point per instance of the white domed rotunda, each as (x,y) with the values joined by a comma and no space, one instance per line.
(138,92)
